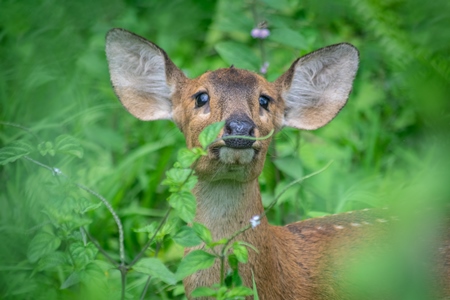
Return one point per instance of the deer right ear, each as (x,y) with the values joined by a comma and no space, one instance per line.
(142,75)
(317,86)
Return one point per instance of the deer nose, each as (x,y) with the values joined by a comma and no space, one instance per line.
(239,125)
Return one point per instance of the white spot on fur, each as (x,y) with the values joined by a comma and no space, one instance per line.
(366,223)
(355,224)
(339,227)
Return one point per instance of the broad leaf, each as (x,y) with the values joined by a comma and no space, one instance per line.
(187,157)
(194,261)
(184,204)
(68,145)
(210,133)
(154,267)
(202,232)
(42,244)
(204,292)
(241,252)
(239,291)
(14,151)
(187,237)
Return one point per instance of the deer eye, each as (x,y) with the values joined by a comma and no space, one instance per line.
(264,102)
(201,99)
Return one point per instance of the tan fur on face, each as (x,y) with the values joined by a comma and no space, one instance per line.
(230,90)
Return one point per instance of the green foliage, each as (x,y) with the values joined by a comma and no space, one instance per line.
(57,108)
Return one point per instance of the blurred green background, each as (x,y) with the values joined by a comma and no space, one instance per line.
(389,146)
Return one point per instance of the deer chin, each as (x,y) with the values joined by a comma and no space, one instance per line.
(233,156)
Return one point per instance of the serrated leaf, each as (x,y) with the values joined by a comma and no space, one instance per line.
(187,237)
(288,37)
(241,252)
(73,279)
(186,157)
(202,232)
(175,177)
(210,133)
(239,291)
(184,204)
(166,229)
(14,151)
(154,267)
(42,244)
(52,260)
(204,291)
(68,145)
(81,254)
(193,262)
(239,55)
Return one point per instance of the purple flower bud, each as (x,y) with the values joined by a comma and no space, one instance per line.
(263,33)
(260,33)
(264,68)
(255,33)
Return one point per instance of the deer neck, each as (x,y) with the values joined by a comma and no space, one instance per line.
(226,206)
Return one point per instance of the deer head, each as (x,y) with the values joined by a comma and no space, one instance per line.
(307,96)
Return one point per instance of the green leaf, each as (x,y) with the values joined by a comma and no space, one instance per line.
(14,151)
(68,145)
(241,252)
(154,267)
(278,4)
(219,242)
(42,244)
(202,232)
(166,229)
(210,133)
(175,178)
(184,204)
(233,261)
(255,290)
(288,37)
(73,279)
(52,260)
(239,291)
(239,55)
(82,254)
(187,237)
(187,157)
(204,291)
(194,261)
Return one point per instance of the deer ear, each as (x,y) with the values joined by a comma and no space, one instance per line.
(142,75)
(317,85)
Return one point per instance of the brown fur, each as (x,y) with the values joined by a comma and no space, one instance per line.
(313,259)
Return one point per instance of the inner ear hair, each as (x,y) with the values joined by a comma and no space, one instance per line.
(317,85)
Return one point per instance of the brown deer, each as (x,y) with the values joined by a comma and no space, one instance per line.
(304,260)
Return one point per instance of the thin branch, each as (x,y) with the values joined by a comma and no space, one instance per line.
(58,172)
(96,244)
(148,244)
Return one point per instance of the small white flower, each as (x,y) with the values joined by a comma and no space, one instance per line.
(57,171)
(255,221)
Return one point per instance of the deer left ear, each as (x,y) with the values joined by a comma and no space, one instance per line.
(317,85)
(142,75)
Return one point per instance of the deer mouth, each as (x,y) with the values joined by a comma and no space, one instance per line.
(244,153)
